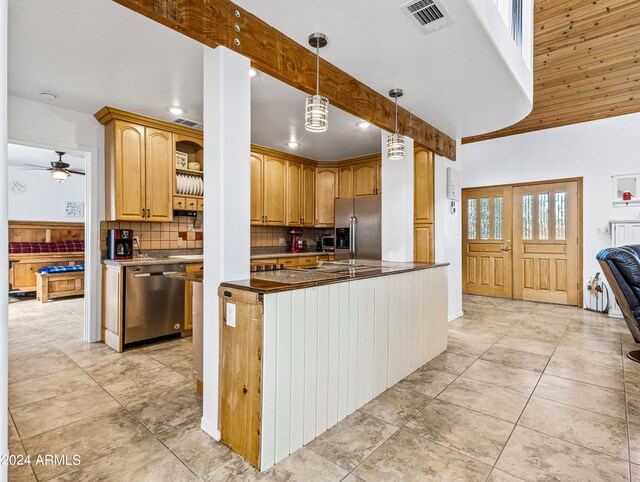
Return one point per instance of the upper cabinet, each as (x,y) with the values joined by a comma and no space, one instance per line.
(326,192)
(423,211)
(345,184)
(140,165)
(294,193)
(365,179)
(257,189)
(268,190)
(308,196)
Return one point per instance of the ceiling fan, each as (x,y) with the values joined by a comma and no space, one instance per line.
(59,169)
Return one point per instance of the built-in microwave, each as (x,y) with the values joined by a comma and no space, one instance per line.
(328,243)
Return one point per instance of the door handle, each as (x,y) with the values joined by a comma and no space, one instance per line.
(143,213)
(148,213)
(508,248)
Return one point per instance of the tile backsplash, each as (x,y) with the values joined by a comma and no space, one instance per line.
(175,235)
(262,236)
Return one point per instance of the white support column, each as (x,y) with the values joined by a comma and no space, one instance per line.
(397,204)
(226,225)
(4,243)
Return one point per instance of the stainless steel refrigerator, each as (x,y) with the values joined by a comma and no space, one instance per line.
(358,228)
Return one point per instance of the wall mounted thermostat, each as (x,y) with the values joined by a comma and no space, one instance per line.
(453,184)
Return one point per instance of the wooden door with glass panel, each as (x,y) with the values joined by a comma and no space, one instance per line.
(486,241)
(545,237)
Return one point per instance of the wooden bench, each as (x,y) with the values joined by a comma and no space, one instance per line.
(59,285)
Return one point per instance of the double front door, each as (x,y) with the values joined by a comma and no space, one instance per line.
(522,242)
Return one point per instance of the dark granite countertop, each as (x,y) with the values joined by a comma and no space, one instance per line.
(290,255)
(193,276)
(266,282)
(142,261)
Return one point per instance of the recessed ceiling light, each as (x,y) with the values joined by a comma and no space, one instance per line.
(293,144)
(253,72)
(47,96)
(363,125)
(176,110)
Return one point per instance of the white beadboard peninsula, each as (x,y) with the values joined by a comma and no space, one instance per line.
(302,349)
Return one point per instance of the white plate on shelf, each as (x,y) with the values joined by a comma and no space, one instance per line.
(201,186)
(187,185)
(180,184)
(192,185)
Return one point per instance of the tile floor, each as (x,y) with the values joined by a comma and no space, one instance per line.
(525,391)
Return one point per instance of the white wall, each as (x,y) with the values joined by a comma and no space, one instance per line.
(44,199)
(448,240)
(51,127)
(397,204)
(4,258)
(593,150)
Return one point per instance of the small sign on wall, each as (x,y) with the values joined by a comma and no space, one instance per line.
(453,184)
(74,209)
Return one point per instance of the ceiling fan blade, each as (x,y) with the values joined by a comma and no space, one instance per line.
(81,173)
(34,169)
(35,165)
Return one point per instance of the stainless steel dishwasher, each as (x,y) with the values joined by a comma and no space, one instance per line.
(153,303)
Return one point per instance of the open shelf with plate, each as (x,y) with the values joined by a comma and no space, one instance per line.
(189,185)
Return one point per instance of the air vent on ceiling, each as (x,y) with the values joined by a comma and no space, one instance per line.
(430,15)
(188,123)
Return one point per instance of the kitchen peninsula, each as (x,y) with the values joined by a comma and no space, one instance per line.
(301,349)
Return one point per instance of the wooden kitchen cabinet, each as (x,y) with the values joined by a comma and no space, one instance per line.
(326,192)
(112,306)
(365,179)
(294,193)
(423,211)
(159,175)
(379,176)
(188,296)
(257,188)
(345,181)
(308,196)
(274,192)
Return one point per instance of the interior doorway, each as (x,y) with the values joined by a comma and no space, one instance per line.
(524,241)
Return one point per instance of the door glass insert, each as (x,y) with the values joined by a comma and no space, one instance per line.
(471,219)
(543,215)
(485,221)
(527,216)
(561,215)
(497,217)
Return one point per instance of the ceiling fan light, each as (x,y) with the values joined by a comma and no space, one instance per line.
(59,176)
(395,147)
(316,117)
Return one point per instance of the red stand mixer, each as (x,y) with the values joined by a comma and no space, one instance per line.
(297,245)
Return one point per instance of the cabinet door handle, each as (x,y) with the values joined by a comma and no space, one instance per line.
(143,213)
(148,213)
(266,218)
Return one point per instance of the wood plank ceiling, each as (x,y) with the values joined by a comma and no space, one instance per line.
(586,63)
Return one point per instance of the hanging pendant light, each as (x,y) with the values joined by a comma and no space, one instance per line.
(317,106)
(395,142)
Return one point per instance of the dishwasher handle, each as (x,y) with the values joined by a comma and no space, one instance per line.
(157,273)
(141,275)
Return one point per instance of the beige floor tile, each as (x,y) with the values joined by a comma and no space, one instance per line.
(202,454)
(537,332)
(352,440)
(21,473)
(47,364)
(236,469)
(635,473)
(48,386)
(517,379)
(500,476)
(486,398)
(141,385)
(90,438)
(571,353)
(466,346)
(352,478)
(530,346)
(538,457)
(303,466)
(87,359)
(471,433)
(516,358)
(633,408)
(584,371)
(148,460)
(113,370)
(634,443)
(427,381)
(582,395)
(396,405)
(169,408)
(39,417)
(582,342)
(451,362)
(582,427)
(409,457)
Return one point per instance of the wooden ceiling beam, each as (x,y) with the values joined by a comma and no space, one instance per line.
(212,22)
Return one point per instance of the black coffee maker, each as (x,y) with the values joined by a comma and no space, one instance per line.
(119,244)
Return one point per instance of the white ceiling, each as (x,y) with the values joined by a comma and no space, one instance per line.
(20,155)
(96,53)
(454,78)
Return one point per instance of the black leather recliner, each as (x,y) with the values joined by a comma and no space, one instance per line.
(621,268)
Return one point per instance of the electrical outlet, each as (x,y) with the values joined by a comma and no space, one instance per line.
(179,241)
(136,240)
(282,240)
(191,227)
(231,314)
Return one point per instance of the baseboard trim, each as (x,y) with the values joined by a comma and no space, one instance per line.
(455,316)
(210,428)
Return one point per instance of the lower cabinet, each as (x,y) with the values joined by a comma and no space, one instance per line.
(423,244)
(188,297)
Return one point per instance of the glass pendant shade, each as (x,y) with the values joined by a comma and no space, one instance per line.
(316,118)
(59,176)
(395,147)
